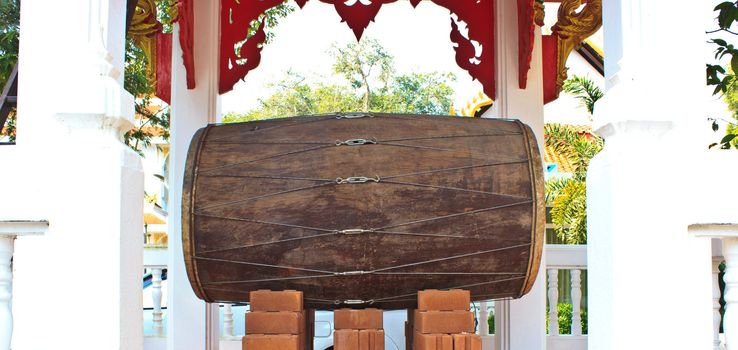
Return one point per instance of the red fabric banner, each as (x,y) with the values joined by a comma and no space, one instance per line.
(186,19)
(526,33)
(550,67)
(164,66)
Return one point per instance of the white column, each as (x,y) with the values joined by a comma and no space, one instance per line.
(191,324)
(525,328)
(635,212)
(483,319)
(730,318)
(576,302)
(72,113)
(6,291)
(157,319)
(553,302)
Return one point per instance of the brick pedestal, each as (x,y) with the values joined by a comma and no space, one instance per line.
(443,321)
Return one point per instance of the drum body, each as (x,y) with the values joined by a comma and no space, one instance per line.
(363,210)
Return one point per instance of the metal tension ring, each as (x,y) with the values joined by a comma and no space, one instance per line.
(355,231)
(353,302)
(353,115)
(357,142)
(356,180)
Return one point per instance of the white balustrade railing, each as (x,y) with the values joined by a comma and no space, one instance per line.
(9,231)
(6,291)
(156,297)
(228,322)
(574,259)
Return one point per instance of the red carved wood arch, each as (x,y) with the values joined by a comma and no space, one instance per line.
(478,15)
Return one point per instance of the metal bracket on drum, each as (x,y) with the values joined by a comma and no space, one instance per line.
(353,231)
(353,115)
(357,142)
(354,302)
(356,180)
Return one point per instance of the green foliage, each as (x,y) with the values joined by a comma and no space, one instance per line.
(585,90)
(358,64)
(417,93)
(9,34)
(565,313)
(10,126)
(723,77)
(567,196)
(491,323)
(154,121)
(271,18)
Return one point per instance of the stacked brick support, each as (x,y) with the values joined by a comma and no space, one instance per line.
(277,321)
(358,329)
(443,321)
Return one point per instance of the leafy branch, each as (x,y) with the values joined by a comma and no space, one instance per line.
(721,77)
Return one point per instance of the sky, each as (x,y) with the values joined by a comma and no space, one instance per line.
(418,38)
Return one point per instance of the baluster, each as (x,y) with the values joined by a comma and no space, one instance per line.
(483,316)
(730,319)
(576,302)
(156,296)
(716,317)
(6,291)
(553,301)
(228,321)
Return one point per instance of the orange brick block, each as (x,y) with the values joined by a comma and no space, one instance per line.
(444,300)
(447,322)
(371,339)
(280,322)
(364,337)
(358,319)
(474,342)
(270,342)
(460,341)
(267,300)
(432,342)
(346,339)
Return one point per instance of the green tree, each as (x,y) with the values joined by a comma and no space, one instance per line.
(567,196)
(362,62)
(9,34)
(722,75)
(585,90)
(415,93)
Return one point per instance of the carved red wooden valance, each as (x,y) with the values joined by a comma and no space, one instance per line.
(475,52)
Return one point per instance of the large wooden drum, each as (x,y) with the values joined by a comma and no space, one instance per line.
(363,210)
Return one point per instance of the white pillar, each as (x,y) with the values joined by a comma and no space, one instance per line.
(576,302)
(635,210)
(6,291)
(730,318)
(553,302)
(191,323)
(72,112)
(525,328)
(157,319)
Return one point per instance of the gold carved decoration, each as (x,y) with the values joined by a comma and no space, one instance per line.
(143,30)
(474,106)
(572,29)
(540,13)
